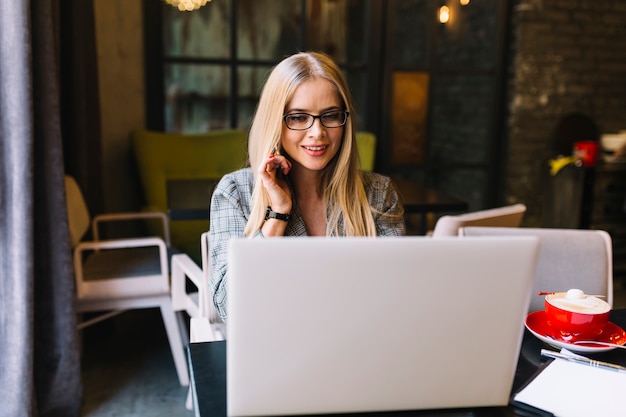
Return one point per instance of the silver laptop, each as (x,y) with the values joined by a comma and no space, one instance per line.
(320,325)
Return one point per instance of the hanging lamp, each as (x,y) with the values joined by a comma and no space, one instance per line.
(187,5)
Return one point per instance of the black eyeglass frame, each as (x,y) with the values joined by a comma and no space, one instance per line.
(319,116)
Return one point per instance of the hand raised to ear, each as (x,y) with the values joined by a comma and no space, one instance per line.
(272,172)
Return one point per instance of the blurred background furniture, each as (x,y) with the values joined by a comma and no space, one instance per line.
(606,210)
(179,171)
(366,144)
(115,275)
(424,202)
(563,196)
(507,216)
(163,157)
(205,325)
(568,258)
(590,198)
(196,299)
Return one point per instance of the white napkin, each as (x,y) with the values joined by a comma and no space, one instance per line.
(569,389)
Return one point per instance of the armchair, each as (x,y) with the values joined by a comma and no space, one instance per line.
(162,157)
(366,144)
(116,275)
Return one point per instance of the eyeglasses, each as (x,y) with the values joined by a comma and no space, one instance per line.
(303,121)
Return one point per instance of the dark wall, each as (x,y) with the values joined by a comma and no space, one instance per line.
(460,143)
(567,57)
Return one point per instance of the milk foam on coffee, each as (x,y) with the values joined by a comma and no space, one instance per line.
(577,301)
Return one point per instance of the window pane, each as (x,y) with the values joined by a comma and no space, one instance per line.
(357,83)
(268,29)
(197,97)
(337,27)
(203,33)
(413,20)
(198,66)
(251,81)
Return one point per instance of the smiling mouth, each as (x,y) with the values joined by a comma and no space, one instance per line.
(315,148)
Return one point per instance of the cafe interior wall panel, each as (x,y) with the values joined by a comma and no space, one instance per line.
(473,180)
(468,40)
(121,95)
(566,57)
(411,34)
(459,128)
(462,60)
(409,111)
(459,135)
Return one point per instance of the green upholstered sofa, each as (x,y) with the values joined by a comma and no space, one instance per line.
(171,156)
(366,143)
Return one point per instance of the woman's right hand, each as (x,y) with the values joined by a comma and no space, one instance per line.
(272,172)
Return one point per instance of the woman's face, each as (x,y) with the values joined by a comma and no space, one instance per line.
(313,148)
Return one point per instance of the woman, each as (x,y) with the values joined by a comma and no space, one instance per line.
(303,178)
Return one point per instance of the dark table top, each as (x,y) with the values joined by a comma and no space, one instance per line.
(417,198)
(208,372)
(189,199)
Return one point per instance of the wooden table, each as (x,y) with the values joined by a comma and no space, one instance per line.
(418,199)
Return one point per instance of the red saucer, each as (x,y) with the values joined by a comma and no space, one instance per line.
(537,324)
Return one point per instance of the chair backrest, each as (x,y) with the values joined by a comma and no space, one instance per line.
(162,156)
(77,212)
(568,258)
(179,156)
(206,301)
(507,216)
(366,146)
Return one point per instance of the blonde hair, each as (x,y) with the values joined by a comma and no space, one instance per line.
(341,182)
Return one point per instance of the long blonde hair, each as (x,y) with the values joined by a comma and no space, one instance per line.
(341,182)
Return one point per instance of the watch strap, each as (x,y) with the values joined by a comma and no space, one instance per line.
(270,214)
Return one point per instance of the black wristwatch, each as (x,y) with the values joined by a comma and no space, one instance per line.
(269,214)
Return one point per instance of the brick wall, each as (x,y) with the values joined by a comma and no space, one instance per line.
(566,56)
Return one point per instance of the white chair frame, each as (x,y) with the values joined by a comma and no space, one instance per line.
(110,280)
(205,324)
(118,294)
(506,216)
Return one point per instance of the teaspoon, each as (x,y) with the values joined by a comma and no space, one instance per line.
(596,342)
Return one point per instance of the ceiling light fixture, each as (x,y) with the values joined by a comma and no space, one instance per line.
(444,14)
(187,5)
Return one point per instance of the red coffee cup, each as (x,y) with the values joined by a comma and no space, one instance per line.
(587,152)
(576,316)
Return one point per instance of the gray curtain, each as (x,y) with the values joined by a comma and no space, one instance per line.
(39,360)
